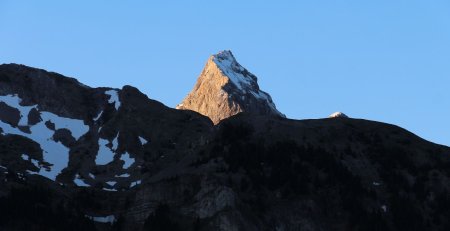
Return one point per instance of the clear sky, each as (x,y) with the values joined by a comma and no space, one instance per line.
(384,60)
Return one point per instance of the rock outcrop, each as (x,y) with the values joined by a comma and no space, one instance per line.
(225,88)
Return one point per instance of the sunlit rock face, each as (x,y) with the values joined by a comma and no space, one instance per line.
(225,88)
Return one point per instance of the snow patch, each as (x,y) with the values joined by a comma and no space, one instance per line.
(54,153)
(104,155)
(115,142)
(128,160)
(14,101)
(36,163)
(123,175)
(231,68)
(143,141)
(111,183)
(80,182)
(338,115)
(376,183)
(107,219)
(91,175)
(135,183)
(76,127)
(26,157)
(113,98)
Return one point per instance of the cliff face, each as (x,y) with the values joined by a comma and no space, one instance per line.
(225,88)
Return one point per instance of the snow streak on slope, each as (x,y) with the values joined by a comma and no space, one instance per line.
(98,116)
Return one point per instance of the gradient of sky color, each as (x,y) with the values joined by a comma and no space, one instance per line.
(384,60)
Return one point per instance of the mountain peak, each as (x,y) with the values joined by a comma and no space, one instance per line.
(237,74)
(225,88)
(225,54)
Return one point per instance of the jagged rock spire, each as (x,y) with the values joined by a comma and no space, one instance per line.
(225,88)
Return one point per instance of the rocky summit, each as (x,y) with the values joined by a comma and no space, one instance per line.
(225,88)
(73,157)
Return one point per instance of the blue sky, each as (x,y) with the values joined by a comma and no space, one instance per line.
(384,60)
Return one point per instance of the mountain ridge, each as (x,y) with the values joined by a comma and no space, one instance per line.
(141,165)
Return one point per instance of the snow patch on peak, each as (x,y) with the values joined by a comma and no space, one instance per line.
(225,54)
(226,62)
(240,77)
(338,115)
